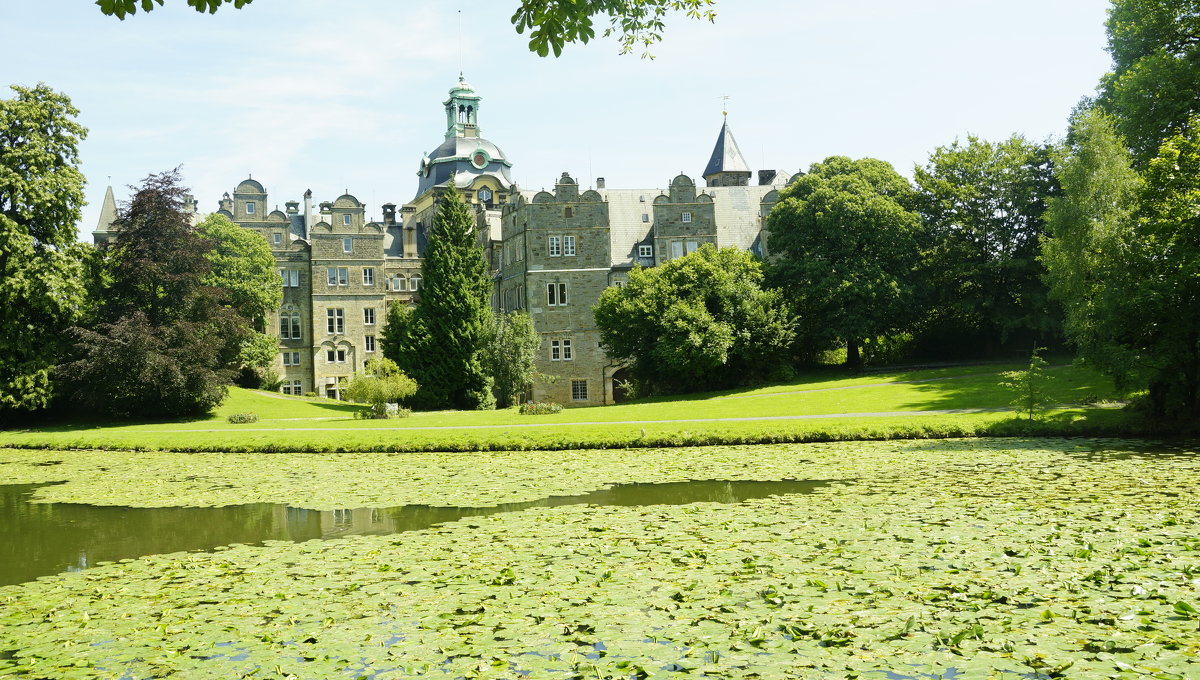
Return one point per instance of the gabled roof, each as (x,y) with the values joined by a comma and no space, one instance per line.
(726,156)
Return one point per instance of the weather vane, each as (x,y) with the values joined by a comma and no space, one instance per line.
(725,105)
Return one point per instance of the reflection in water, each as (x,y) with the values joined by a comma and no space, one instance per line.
(37,539)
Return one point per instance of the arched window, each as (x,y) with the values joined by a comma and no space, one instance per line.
(415,283)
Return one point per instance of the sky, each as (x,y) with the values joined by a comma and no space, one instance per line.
(337,95)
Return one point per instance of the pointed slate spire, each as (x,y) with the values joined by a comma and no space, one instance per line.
(108,215)
(727,167)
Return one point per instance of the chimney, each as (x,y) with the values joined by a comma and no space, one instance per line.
(599,182)
(765,177)
(307,211)
(389,213)
(226,203)
(293,207)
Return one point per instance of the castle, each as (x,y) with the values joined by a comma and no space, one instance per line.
(550,253)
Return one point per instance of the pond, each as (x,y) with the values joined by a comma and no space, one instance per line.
(48,538)
(1002,558)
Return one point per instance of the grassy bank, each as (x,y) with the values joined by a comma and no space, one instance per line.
(827,406)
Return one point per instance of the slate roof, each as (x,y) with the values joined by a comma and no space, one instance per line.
(726,156)
(108,211)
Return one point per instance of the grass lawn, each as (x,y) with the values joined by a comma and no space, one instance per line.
(820,406)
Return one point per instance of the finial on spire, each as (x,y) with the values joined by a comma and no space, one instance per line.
(725,105)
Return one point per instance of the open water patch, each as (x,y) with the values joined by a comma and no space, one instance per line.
(49,538)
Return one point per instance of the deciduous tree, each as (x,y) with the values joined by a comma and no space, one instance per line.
(982,204)
(510,356)
(1154,87)
(381,383)
(698,322)
(42,277)
(843,240)
(551,23)
(167,343)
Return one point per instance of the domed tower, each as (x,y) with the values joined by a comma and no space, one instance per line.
(464,154)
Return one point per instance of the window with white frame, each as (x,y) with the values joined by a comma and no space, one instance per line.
(294,278)
(250,207)
(346,221)
(335,356)
(295,358)
(347,243)
(645,251)
(335,321)
(399,283)
(555,247)
(289,324)
(687,217)
(277,238)
(369,316)
(568,245)
(579,390)
(368,276)
(338,276)
(560,350)
(645,217)
(297,387)
(286,388)
(414,283)
(556,294)
(369,343)
(287,358)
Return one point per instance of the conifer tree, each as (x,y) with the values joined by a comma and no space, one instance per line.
(454,316)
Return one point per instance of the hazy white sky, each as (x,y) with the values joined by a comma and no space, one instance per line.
(334,95)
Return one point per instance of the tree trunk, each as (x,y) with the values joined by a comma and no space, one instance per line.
(853,357)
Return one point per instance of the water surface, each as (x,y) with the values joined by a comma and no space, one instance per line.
(38,539)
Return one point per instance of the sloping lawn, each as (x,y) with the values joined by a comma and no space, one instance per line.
(821,406)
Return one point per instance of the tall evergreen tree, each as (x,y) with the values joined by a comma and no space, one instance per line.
(452,322)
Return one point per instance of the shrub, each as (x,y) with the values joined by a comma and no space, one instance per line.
(242,418)
(388,411)
(539,408)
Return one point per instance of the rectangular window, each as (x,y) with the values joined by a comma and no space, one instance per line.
(414,283)
(249,208)
(341,355)
(368,276)
(297,387)
(555,350)
(287,358)
(687,217)
(566,350)
(295,326)
(645,251)
(579,390)
(330,356)
(676,249)
(295,358)
(400,283)
(556,294)
(369,343)
(277,238)
(283,275)
(335,321)
(555,249)
(369,316)
(346,221)
(347,243)
(286,388)
(568,245)
(645,217)
(692,246)
(331,275)
(343,276)
(294,277)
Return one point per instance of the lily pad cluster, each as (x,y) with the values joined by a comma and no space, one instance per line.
(1020,559)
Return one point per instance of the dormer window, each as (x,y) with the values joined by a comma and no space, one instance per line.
(250,207)
(645,217)
(277,238)
(645,251)
(346,221)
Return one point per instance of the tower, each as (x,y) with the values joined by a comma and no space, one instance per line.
(726,166)
(462,111)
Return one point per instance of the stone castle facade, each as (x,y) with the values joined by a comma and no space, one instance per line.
(550,253)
